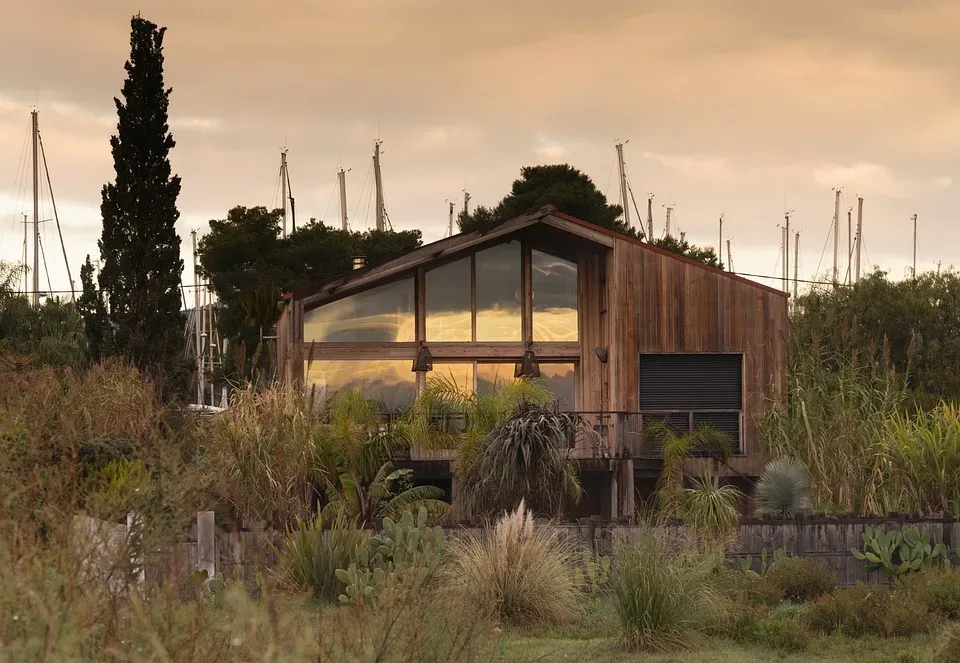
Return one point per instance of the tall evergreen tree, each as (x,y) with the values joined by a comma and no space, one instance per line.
(91,307)
(140,248)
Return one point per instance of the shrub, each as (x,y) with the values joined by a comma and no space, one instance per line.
(662,590)
(948,650)
(518,573)
(868,610)
(778,634)
(314,550)
(800,580)
(783,489)
(938,589)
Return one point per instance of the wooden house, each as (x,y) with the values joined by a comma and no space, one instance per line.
(621,331)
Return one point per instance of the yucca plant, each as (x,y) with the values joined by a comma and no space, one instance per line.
(783,489)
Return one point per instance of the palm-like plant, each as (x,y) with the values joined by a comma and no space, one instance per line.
(783,489)
(367,499)
(526,457)
(677,448)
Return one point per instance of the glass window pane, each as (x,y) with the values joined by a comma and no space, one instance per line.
(380,315)
(498,293)
(460,374)
(560,379)
(492,376)
(554,298)
(390,382)
(448,302)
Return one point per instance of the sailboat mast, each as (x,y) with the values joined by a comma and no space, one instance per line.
(283,188)
(36,212)
(379,184)
(836,236)
(450,220)
(342,179)
(56,216)
(859,235)
(650,218)
(623,186)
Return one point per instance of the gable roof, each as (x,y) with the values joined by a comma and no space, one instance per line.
(547,215)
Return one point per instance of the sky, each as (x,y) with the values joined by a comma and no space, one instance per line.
(748,108)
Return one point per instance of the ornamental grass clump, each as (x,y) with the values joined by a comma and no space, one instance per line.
(663,589)
(520,572)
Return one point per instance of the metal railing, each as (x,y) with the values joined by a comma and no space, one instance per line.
(626,433)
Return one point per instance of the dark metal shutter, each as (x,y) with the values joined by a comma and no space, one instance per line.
(691,382)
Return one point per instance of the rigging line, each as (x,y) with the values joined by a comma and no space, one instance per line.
(43,254)
(606,189)
(825,242)
(362,189)
(20,178)
(323,219)
(643,234)
(56,217)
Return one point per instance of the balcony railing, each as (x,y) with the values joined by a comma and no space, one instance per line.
(607,433)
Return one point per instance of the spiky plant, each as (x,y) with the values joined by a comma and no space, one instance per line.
(677,448)
(711,509)
(783,489)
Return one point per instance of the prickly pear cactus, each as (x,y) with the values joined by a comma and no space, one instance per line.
(407,554)
(899,552)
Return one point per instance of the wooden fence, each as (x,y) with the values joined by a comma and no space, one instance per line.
(827,541)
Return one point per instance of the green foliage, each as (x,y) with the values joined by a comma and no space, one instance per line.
(899,552)
(783,490)
(408,554)
(93,310)
(375,498)
(518,573)
(938,587)
(711,509)
(800,580)
(783,635)
(249,264)
(948,649)
(527,458)
(140,246)
(663,589)
(677,449)
(840,403)
(593,574)
(767,561)
(562,185)
(916,320)
(313,551)
(868,610)
(120,487)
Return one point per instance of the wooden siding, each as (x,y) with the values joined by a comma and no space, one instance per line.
(662,304)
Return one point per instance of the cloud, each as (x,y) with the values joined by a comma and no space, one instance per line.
(194,123)
(865,177)
(943,182)
(706,167)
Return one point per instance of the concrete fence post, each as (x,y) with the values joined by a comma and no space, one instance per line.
(206,543)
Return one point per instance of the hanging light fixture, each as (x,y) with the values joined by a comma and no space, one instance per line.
(424,360)
(528,366)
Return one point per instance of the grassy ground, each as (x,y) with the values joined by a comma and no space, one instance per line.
(566,646)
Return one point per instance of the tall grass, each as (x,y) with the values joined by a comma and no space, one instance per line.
(662,589)
(921,460)
(519,572)
(835,424)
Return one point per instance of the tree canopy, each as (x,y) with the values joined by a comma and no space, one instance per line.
(140,278)
(574,193)
(915,322)
(249,264)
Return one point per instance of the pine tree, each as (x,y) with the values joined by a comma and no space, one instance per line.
(140,248)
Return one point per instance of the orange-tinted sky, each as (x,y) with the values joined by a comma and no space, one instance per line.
(747,106)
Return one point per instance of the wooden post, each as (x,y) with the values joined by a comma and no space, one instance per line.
(206,543)
(136,545)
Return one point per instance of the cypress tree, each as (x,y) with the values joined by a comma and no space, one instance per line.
(140,248)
